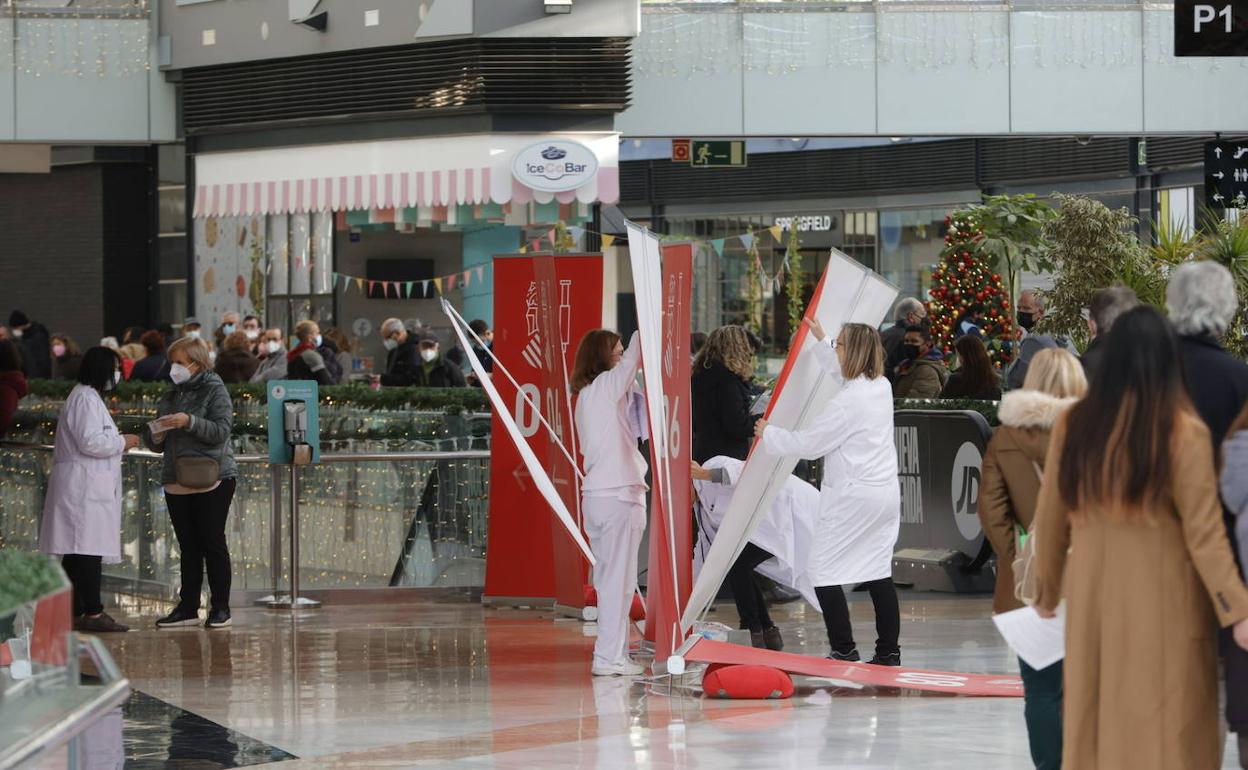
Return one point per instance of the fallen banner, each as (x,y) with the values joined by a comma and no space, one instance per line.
(700,650)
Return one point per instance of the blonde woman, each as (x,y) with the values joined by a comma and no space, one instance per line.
(1013,465)
(720,389)
(859,499)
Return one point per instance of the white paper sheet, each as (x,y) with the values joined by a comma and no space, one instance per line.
(1039,642)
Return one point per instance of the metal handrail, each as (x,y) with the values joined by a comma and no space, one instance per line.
(336,457)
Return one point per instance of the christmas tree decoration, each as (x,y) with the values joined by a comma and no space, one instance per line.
(965,289)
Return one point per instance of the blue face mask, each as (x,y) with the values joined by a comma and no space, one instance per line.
(227,329)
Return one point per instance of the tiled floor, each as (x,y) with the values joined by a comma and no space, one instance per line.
(455,685)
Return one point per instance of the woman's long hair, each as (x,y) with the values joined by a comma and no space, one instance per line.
(864,355)
(1117,448)
(978,373)
(730,347)
(593,357)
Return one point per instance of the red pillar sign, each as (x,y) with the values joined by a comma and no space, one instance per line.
(543,305)
(671,545)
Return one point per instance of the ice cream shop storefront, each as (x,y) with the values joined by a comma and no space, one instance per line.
(351,233)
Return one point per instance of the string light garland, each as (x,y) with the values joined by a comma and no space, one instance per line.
(98,38)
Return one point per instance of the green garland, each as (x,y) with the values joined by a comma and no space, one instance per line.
(987,408)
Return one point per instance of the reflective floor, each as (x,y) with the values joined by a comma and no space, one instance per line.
(456,685)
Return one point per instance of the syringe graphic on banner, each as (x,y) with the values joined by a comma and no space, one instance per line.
(565,314)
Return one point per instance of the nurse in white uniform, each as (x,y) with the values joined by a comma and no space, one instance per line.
(860,501)
(613,495)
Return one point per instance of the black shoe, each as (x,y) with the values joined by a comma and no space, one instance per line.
(218,619)
(886,659)
(179,617)
(100,624)
(849,657)
(757,640)
(772,639)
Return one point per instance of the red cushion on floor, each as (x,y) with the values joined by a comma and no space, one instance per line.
(750,682)
(636,612)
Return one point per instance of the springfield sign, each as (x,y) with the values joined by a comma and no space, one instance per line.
(558,165)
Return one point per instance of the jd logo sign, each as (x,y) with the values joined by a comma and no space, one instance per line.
(964,486)
(1217,28)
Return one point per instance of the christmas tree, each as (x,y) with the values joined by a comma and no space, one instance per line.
(962,283)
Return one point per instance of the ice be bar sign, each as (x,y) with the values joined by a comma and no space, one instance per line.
(1226,175)
(1217,28)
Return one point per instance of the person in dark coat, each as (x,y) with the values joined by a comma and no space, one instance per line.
(236,363)
(483,330)
(720,392)
(12,383)
(402,355)
(435,371)
(1202,304)
(976,378)
(36,346)
(154,367)
(1106,306)
(66,358)
(908,312)
(309,360)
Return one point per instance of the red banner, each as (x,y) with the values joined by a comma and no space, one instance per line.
(671,544)
(538,320)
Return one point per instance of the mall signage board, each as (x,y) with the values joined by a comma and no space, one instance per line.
(1217,28)
(557,165)
(1226,174)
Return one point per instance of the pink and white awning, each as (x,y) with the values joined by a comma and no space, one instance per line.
(402,173)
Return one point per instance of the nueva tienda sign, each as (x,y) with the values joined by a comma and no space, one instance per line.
(557,165)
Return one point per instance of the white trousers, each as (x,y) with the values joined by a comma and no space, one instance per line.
(614,528)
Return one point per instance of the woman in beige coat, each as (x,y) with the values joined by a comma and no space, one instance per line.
(1007,502)
(1130,491)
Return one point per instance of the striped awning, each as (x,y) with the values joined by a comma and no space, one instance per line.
(404,173)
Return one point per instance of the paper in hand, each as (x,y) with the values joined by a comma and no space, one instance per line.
(1040,642)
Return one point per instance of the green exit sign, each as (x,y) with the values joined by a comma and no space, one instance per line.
(717,153)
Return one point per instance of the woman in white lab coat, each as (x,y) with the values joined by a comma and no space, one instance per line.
(613,495)
(860,502)
(82,508)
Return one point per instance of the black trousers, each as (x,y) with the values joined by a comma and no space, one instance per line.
(199,523)
(887,616)
(84,574)
(751,606)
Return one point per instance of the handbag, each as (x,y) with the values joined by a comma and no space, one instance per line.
(1025,586)
(197,472)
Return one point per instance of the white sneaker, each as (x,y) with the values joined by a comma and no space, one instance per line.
(622,668)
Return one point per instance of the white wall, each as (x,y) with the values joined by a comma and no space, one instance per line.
(877,70)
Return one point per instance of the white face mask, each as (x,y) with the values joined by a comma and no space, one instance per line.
(429,354)
(212,356)
(179,374)
(273,346)
(116,378)
(17,333)
(252,333)
(193,334)
(389,343)
(319,340)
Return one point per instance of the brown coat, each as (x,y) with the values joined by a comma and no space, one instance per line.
(1144,598)
(1010,482)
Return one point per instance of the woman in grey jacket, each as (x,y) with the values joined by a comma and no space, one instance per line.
(196,418)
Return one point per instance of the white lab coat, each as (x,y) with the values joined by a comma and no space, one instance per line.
(786,532)
(859,500)
(82,509)
(613,497)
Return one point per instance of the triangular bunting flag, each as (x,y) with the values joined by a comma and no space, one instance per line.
(424,288)
(450,282)
(359,284)
(537,244)
(776,231)
(607,240)
(395,284)
(437,285)
(718,245)
(524,249)
(410,284)
(747,240)
(576,232)
(333,281)
(467,278)
(371,284)
(480,273)
(551,235)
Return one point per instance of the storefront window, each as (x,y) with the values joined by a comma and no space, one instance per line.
(300,285)
(1176,207)
(910,244)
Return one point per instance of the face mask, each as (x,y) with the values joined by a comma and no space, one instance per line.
(179,374)
(273,346)
(17,333)
(193,334)
(252,333)
(212,356)
(319,340)
(911,351)
(1026,320)
(227,329)
(389,343)
(116,378)
(429,355)
(58,350)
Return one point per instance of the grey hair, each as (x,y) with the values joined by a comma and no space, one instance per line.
(391,325)
(1108,304)
(1201,298)
(907,306)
